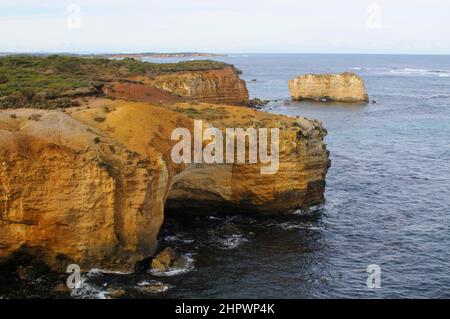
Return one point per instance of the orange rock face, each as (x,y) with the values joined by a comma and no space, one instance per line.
(213,86)
(90,185)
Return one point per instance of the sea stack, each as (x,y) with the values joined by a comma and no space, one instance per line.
(343,87)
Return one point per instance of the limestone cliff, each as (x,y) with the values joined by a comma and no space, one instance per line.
(343,87)
(212,86)
(89,185)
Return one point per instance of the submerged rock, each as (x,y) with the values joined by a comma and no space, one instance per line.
(230,229)
(344,87)
(258,103)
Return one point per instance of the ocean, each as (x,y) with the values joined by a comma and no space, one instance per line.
(387,196)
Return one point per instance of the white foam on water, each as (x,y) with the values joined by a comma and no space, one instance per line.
(176,271)
(162,287)
(294,226)
(412,72)
(172,239)
(95,271)
(84,290)
(232,241)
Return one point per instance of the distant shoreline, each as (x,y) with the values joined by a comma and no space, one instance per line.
(124,55)
(159,55)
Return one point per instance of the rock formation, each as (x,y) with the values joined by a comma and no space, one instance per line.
(212,86)
(168,259)
(89,185)
(343,87)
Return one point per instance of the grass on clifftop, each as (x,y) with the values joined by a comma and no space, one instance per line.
(50,82)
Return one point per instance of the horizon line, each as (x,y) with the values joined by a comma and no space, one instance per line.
(214,53)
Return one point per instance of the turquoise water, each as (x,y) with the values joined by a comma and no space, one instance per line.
(387,197)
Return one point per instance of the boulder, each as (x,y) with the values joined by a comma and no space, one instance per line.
(168,259)
(344,87)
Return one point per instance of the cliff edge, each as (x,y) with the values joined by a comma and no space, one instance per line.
(90,185)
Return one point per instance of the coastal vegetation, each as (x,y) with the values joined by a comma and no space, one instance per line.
(53,81)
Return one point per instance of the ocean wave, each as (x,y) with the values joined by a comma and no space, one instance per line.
(95,271)
(176,271)
(86,290)
(412,72)
(439,96)
(294,226)
(173,239)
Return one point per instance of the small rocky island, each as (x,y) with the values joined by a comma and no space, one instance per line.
(343,87)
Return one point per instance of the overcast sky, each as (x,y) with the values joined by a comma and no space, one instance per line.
(272,26)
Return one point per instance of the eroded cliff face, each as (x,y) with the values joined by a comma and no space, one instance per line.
(343,87)
(299,182)
(213,86)
(70,194)
(89,185)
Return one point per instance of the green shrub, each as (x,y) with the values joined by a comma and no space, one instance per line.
(35,81)
(3,79)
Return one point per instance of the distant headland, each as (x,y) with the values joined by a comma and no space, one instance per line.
(159,55)
(125,55)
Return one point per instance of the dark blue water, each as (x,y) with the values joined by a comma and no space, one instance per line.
(387,198)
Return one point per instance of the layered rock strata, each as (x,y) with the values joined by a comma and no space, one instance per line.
(89,185)
(212,86)
(343,87)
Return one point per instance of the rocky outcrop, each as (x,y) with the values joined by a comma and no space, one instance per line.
(299,182)
(168,259)
(90,185)
(213,86)
(343,87)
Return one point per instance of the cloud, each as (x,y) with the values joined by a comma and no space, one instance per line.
(415,26)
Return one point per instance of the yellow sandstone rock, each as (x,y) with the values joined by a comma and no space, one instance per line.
(76,189)
(212,86)
(343,87)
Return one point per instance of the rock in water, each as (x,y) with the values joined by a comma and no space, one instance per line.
(168,259)
(67,197)
(344,87)
(115,293)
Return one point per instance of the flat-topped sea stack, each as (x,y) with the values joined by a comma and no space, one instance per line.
(343,87)
(90,183)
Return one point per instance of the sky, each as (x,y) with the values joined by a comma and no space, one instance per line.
(226,26)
